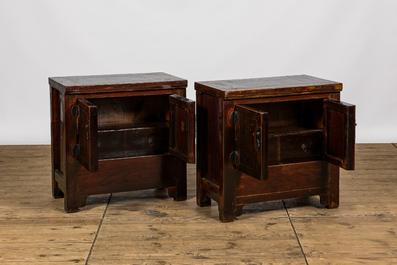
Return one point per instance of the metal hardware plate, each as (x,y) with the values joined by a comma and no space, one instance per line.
(258,138)
(76,150)
(234,157)
(233,117)
(75,111)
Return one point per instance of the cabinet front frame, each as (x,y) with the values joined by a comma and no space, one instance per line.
(227,189)
(266,190)
(67,171)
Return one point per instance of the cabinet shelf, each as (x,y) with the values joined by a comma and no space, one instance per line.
(291,130)
(131,139)
(131,125)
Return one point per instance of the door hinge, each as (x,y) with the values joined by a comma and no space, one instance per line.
(234,117)
(75,111)
(76,150)
(258,138)
(234,157)
(87,128)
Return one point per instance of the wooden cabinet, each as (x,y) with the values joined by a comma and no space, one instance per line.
(114,133)
(269,139)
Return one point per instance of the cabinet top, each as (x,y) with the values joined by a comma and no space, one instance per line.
(267,87)
(115,83)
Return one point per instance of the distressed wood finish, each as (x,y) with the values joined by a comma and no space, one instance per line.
(339,133)
(116,83)
(88,135)
(182,140)
(121,130)
(251,141)
(268,87)
(294,141)
(132,227)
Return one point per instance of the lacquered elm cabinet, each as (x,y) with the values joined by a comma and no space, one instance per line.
(114,133)
(269,139)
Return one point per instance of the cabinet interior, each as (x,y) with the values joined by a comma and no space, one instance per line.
(295,130)
(132,126)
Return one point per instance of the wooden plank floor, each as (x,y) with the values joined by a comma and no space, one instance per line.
(148,227)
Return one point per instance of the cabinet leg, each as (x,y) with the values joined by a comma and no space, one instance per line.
(71,205)
(239,210)
(227,215)
(180,192)
(181,185)
(201,199)
(171,192)
(331,200)
(56,192)
(83,201)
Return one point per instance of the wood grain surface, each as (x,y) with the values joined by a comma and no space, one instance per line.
(148,227)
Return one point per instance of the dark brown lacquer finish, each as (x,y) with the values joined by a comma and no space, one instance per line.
(116,83)
(339,133)
(88,135)
(182,128)
(113,133)
(268,87)
(251,141)
(267,139)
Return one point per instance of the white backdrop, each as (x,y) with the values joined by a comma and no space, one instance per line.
(353,42)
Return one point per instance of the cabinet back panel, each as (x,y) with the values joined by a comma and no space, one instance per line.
(304,112)
(127,109)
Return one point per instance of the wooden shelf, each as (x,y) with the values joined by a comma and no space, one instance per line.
(290,130)
(132,125)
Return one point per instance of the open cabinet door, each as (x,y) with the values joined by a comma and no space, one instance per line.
(339,133)
(88,135)
(251,131)
(182,128)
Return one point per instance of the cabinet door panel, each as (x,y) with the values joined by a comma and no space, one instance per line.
(182,128)
(252,141)
(88,135)
(339,133)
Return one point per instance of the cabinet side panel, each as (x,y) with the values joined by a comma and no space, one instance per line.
(55,129)
(56,143)
(209,133)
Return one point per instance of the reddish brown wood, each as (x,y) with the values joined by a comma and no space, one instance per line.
(182,128)
(268,87)
(252,141)
(209,148)
(295,136)
(145,138)
(288,177)
(339,133)
(128,138)
(134,172)
(291,144)
(70,164)
(88,135)
(55,141)
(229,175)
(331,199)
(116,83)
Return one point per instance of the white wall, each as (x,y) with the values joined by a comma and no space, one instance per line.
(353,42)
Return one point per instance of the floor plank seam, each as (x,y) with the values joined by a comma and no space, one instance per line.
(345,216)
(99,228)
(296,235)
